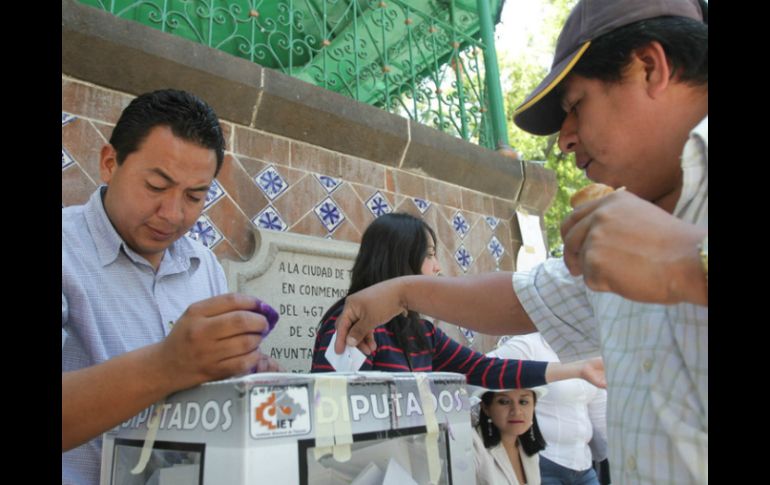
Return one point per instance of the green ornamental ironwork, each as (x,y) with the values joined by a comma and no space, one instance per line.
(420,59)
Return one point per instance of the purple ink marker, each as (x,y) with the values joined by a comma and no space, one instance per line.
(269,313)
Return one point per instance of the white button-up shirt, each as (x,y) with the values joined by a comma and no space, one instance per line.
(113,302)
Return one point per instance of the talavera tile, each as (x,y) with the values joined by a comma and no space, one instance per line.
(463,258)
(271,182)
(270,219)
(329,214)
(205,232)
(378,205)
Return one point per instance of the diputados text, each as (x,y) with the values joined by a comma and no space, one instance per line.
(187,416)
(381,405)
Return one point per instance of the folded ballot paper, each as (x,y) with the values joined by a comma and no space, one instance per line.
(387,462)
(395,474)
(367,428)
(371,475)
(348,361)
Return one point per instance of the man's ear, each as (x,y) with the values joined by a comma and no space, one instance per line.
(108,163)
(656,68)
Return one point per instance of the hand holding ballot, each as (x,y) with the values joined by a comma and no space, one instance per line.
(350,360)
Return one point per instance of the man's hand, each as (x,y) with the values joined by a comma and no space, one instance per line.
(631,247)
(214,339)
(365,310)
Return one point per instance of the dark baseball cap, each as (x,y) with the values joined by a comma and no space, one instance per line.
(541,112)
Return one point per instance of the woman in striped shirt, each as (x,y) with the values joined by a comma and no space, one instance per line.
(401,244)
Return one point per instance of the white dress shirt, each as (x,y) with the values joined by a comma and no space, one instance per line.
(113,302)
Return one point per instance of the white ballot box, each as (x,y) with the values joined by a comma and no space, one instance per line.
(368,428)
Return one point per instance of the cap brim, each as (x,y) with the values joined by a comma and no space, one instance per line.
(541,113)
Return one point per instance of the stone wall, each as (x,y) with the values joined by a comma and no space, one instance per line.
(299,158)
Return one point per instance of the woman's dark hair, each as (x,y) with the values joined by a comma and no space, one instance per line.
(188,116)
(684,40)
(491,435)
(393,245)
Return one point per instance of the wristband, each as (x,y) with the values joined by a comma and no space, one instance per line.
(703,250)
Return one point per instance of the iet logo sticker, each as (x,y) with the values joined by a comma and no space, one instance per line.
(279,411)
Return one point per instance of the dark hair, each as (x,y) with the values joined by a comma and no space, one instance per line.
(188,116)
(393,245)
(684,40)
(491,435)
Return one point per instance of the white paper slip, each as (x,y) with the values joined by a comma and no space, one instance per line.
(371,475)
(396,475)
(348,361)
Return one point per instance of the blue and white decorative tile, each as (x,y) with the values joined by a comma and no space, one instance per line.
(422,204)
(330,215)
(495,248)
(463,258)
(214,194)
(328,183)
(67,118)
(271,182)
(460,225)
(492,221)
(66,159)
(204,232)
(468,334)
(378,205)
(269,218)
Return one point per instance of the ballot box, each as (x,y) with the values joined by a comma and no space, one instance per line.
(364,428)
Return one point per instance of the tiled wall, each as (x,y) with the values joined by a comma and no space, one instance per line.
(281,184)
(299,158)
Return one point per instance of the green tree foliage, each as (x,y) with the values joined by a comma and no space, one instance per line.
(519,76)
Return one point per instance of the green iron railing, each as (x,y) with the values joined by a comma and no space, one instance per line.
(419,58)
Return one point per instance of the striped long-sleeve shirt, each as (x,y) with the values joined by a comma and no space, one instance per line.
(443,354)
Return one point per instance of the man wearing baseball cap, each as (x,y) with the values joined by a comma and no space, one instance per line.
(627,89)
(628,94)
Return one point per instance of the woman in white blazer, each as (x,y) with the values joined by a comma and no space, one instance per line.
(507,439)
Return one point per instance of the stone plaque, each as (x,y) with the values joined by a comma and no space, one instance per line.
(301,277)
